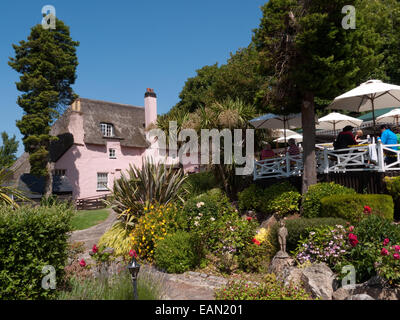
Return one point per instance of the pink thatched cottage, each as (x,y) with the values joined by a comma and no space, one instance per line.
(98,141)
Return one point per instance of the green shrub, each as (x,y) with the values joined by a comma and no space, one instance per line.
(198,183)
(31,238)
(250,198)
(393,186)
(281,199)
(298,228)
(255,258)
(269,289)
(312,198)
(178,252)
(351,207)
(375,229)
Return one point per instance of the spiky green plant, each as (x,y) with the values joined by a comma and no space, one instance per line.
(139,187)
(7,193)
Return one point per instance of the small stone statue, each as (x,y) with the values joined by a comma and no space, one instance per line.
(282,234)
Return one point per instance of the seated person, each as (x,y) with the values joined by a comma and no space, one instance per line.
(359,135)
(345,139)
(293,149)
(267,152)
(388,137)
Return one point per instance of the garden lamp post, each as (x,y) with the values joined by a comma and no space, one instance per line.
(134,268)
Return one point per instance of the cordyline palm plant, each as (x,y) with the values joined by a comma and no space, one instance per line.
(141,187)
(8,193)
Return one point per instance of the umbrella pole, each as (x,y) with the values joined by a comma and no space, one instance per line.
(284,132)
(373,114)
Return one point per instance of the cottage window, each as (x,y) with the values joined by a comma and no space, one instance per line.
(59,172)
(107,129)
(112,154)
(102,181)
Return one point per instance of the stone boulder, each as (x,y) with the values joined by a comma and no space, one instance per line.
(280,263)
(360,297)
(318,279)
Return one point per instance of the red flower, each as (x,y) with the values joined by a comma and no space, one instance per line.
(133,253)
(384,252)
(353,239)
(256,241)
(249,218)
(82,263)
(367,209)
(386,241)
(396,248)
(351,228)
(95,249)
(396,256)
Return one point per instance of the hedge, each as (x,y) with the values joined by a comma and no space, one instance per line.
(298,228)
(351,207)
(31,238)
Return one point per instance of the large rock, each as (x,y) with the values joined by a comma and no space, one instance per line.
(360,297)
(318,280)
(279,264)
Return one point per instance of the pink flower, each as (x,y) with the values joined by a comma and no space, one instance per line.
(82,263)
(396,256)
(351,228)
(353,239)
(95,249)
(386,241)
(396,248)
(384,252)
(133,253)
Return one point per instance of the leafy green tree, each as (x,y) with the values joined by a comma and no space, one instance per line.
(47,62)
(309,54)
(8,150)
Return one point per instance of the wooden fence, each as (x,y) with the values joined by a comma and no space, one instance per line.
(91,203)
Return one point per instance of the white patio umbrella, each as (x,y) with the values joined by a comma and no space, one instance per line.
(274,121)
(370,95)
(337,120)
(297,137)
(279,133)
(391,116)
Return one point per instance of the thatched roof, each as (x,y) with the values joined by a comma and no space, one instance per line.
(128,122)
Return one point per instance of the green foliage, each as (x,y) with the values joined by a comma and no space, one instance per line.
(255,258)
(7,192)
(298,228)
(312,199)
(8,150)
(178,252)
(280,199)
(351,207)
(117,237)
(269,289)
(375,229)
(116,287)
(47,63)
(250,198)
(393,186)
(140,187)
(31,238)
(198,183)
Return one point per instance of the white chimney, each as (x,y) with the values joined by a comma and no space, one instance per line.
(150,107)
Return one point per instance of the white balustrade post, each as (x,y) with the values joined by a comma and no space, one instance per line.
(381,159)
(255,170)
(287,165)
(326,160)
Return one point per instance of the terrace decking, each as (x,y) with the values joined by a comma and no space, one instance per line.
(359,158)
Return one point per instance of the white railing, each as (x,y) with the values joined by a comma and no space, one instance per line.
(279,167)
(362,157)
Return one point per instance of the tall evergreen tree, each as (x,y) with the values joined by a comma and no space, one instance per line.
(47,62)
(305,47)
(8,150)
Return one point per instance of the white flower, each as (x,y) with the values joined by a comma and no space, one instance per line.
(212,219)
(200,204)
(196,223)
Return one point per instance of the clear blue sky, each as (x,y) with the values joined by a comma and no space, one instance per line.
(128,46)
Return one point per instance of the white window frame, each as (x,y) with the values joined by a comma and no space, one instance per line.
(102,181)
(107,129)
(112,153)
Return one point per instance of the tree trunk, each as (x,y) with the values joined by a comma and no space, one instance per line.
(48,189)
(308,122)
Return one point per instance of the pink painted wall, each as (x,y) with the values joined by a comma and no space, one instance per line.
(150,109)
(82,163)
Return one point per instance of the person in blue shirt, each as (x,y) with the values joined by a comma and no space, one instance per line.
(389,137)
